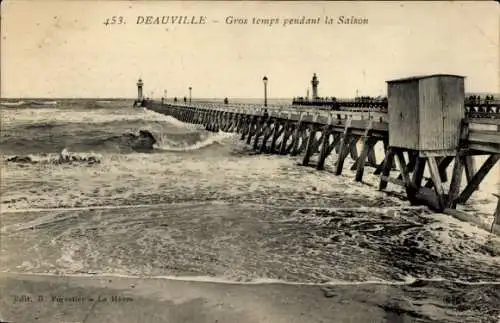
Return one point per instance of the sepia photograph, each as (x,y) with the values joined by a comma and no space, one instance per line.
(249,161)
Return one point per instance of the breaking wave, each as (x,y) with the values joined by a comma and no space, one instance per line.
(192,142)
(64,157)
(107,134)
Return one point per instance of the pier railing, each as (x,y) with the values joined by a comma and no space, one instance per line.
(473,109)
(476,108)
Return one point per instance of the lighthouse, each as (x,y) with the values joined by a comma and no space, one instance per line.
(314,83)
(139,90)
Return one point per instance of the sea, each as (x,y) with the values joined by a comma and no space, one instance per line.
(203,206)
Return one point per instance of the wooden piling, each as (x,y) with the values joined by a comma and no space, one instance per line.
(344,147)
(277,131)
(309,145)
(403,168)
(252,130)
(318,142)
(478,178)
(470,168)
(259,133)
(303,141)
(353,148)
(325,145)
(372,159)
(378,170)
(244,128)
(286,136)
(456,181)
(367,146)
(386,168)
(495,226)
(297,142)
(296,138)
(436,178)
(267,134)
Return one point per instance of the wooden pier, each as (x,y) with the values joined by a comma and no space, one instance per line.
(426,126)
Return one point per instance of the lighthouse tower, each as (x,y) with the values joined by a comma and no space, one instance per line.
(314,83)
(139,90)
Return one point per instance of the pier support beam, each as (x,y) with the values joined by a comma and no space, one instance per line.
(380,167)
(325,145)
(256,128)
(269,131)
(298,141)
(344,147)
(495,226)
(386,168)
(244,128)
(277,131)
(310,145)
(444,162)
(436,178)
(262,131)
(368,144)
(478,178)
(359,164)
(470,168)
(456,181)
(295,139)
(327,149)
(286,136)
(403,167)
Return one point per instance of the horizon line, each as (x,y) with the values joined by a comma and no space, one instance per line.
(495,94)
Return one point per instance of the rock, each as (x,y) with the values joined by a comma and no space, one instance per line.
(147,138)
(419,283)
(328,292)
(64,155)
(20,159)
(93,160)
(142,142)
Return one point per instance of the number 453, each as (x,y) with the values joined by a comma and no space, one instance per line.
(115,20)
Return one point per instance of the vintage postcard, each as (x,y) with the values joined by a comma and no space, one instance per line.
(249,161)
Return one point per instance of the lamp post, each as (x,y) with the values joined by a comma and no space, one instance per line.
(265,90)
(190,88)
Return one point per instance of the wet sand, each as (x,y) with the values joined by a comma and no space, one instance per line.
(163,300)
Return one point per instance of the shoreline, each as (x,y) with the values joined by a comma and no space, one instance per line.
(410,281)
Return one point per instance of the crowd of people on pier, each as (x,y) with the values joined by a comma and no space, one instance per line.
(476,99)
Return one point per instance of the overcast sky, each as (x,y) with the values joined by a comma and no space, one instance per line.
(63,49)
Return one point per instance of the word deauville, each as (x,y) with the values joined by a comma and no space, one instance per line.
(171,20)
